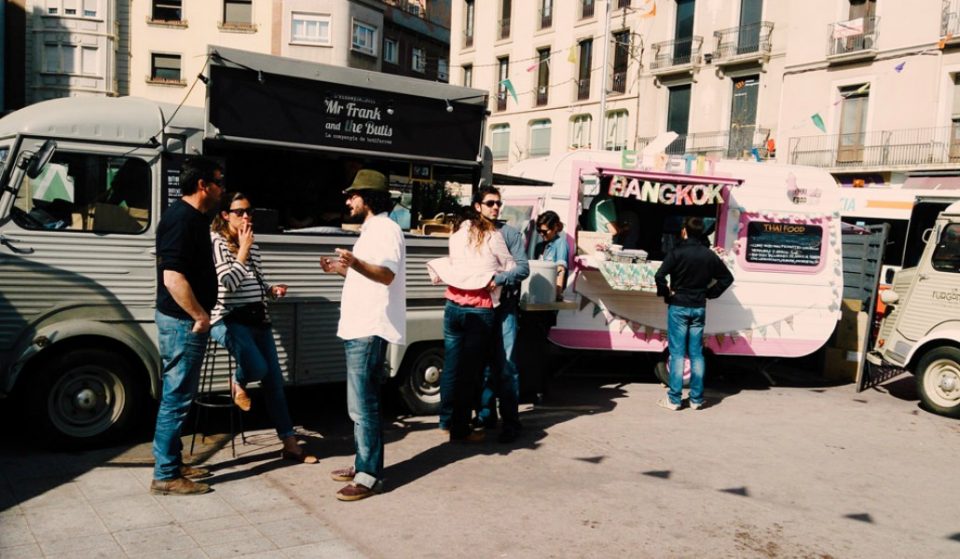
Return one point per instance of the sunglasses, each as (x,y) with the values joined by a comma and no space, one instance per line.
(545,231)
(240,212)
(492,203)
(216,181)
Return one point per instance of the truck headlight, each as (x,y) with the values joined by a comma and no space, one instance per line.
(889,296)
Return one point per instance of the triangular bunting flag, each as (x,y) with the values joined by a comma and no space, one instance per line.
(508,85)
(789,321)
(649,9)
(719,338)
(596,310)
(648,332)
(763,331)
(584,302)
(776,326)
(748,335)
(623,325)
(572,56)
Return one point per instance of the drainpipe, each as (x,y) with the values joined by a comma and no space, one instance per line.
(603,82)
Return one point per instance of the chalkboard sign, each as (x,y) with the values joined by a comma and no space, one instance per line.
(784,243)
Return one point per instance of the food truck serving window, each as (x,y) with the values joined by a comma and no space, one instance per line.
(790,244)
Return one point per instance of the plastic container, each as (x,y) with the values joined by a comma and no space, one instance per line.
(540,287)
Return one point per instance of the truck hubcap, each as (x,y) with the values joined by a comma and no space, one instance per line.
(946,375)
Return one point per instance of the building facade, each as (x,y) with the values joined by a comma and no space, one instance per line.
(416,39)
(75,47)
(613,74)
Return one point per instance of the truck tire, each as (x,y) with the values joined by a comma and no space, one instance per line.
(85,398)
(938,380)
(420,380)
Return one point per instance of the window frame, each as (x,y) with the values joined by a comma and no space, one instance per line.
(391,55)
(580,125)
(610,131)
(467,75)
(155,78)
(496,130)
(534,128)
(361,48)
(311,17)
(226,22)
(954,230)
(418,60)
(162,4)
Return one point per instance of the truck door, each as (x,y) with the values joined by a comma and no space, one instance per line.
(934,297)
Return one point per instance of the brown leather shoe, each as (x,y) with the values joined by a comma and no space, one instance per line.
(178,486)
(343,474)
(355,492)
(472,437)
(301,457)
(240,398)
(192,472)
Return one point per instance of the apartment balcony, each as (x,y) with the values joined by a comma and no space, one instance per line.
(950,22)
(618,83)
(747,44)
(736,143)
(542,96)
(502,101)
(676,57)
(546,19)
(583,89)
(855,39)
(904,149)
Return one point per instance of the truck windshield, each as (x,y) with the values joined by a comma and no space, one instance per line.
(4,150)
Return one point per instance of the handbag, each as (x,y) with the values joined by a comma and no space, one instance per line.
(251,314)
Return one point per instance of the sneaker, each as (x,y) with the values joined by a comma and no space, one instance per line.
(192,472)
(697,406)
(355,492)
(667,404)
(178,486)
(343,474)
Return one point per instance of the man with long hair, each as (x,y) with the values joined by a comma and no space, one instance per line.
(372,314)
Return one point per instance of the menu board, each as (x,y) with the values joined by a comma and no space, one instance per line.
(791,244)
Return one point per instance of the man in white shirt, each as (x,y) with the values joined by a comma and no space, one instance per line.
(372,314)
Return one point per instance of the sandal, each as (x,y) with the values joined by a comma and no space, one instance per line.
(299,457)
(240,397)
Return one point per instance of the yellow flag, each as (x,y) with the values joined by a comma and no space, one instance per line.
(572,56)
(649,8)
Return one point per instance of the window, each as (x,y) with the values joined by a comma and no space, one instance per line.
(946,256)
(621,57)
(69,7)
(955,121)
(51,57)
(543,76)
(583,76)
(165,68)
(390,51)
(468,24)
(364,38)
(500,141)
(546,13)
(238,12)
(310,28)
(89,8)
(418,62)
(89,61)
(86,192)
(72,8)
(505,9)
(468,75)
(539,138)
(791,244)
(580,131)
(678,116)
(503,71)
(62,59)
(167,10)
(623,3)
(853,123)
(586,9)
(443,70)
(616,131)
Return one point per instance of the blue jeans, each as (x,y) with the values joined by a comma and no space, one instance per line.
(685,337)
(181,352)
(501,378)
(466,347)
(256,355)
(365,357)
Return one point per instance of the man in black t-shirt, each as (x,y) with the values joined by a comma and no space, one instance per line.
(186,293)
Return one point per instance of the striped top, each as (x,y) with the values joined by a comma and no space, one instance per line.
(237,283)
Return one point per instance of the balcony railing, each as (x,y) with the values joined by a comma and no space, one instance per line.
(950,19)
(677,53)
(546,19)
(467,40)
(735,143)
(542,95)
(882,148)
(619,84)
(742,42)
(502,101)
(583,89)
(504,30)
(853,37)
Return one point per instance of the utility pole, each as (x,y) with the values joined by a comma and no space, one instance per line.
(603,77)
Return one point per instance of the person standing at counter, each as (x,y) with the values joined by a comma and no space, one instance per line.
(554,247)
(696,274)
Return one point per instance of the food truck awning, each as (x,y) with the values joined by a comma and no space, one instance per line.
(654,176)
(270,100)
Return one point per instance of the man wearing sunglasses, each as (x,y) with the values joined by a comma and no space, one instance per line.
(186,293)
(501,379)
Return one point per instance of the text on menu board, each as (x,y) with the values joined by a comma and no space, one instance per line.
(784,243)
(356,119)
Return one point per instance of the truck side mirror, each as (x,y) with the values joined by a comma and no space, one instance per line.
(926,235)
(39,160)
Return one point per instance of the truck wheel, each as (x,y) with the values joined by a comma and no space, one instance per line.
(85,397)
(938,381)
(420,383)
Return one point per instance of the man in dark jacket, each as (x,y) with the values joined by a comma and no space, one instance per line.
(696,274)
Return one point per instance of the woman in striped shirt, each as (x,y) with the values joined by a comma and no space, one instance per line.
(240,319)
